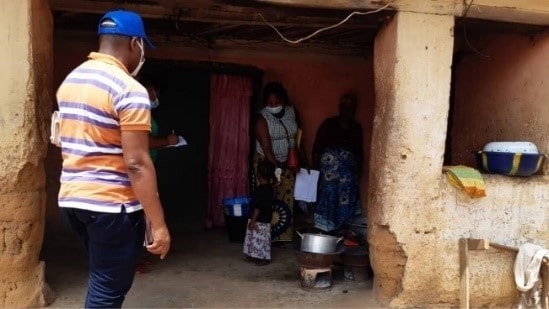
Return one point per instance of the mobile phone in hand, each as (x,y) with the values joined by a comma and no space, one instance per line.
(148,233)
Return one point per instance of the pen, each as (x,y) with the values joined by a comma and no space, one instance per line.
(173,132)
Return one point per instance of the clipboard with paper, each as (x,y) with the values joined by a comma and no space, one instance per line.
(306,183)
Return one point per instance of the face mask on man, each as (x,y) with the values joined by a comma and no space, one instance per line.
(274,110)
(141,61)
(155,103)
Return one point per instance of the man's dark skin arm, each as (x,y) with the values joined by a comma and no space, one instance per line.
(135,146)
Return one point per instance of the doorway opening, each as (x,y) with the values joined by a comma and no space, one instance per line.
(185,90)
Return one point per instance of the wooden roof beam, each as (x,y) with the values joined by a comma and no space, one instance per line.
(75,39)
(81,6)
(535,12)
(214,30)
(253,18)
(332,4)
(248,16)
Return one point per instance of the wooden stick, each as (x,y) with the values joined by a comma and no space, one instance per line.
(503,247)
(464,273)
(478,244)
(545,283)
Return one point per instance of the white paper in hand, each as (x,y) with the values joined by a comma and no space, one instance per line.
(306,185)
(180,142)
(278,174)
(55,135)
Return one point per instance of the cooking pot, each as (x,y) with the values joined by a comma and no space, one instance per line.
(319,243)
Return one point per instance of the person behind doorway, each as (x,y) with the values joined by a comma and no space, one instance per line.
(108,180)
(337,153)
(257,242)
(155,140)
(276,130)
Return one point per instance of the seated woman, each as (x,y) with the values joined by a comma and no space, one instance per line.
(276,129)
(337,153)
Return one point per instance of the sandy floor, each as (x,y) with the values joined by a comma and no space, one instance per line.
(203,270)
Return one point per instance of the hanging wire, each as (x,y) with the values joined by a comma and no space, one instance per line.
(465,32)
(322,29)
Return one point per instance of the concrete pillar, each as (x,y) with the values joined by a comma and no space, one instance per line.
(412,66)
(26,31)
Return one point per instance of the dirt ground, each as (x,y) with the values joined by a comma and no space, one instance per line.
(204,270)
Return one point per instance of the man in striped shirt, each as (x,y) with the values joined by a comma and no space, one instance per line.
(108,180)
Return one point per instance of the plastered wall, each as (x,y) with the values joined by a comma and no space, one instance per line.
(416,216)
(514,212)
(413,55)
(25,85)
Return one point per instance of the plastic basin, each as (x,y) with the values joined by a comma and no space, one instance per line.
(509,163)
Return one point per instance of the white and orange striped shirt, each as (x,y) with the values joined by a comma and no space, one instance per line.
(97,101)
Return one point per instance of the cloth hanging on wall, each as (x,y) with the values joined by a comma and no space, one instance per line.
(527,269)
(228,163)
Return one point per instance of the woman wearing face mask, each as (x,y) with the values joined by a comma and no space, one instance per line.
(155,141)
(276,129)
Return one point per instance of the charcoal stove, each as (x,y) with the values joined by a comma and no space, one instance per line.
(316,269)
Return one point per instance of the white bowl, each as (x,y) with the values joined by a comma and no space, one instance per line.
(514,147)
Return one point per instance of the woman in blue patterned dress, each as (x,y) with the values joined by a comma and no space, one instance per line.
(338,154)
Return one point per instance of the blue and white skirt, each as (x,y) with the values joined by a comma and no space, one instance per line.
(257,243)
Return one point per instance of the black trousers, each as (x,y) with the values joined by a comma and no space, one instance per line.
(114,242)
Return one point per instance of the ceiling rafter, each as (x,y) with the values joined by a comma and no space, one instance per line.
(75,38)
(229,23)
(217,14)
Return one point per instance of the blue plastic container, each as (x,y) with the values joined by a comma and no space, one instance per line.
(236,211)
(237,207)
(510,163)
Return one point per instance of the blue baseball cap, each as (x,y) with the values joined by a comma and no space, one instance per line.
(122,22)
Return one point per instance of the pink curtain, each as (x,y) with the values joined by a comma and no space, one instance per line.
(228,163)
